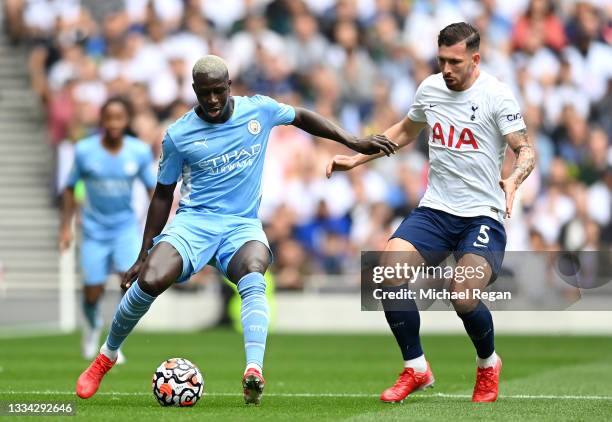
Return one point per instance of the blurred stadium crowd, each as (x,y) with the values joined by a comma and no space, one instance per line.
(355,61)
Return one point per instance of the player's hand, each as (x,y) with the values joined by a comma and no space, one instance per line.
(373,144)
(130,275)
(509,188)
(339,163)
(65,238)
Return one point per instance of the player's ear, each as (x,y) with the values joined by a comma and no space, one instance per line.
(229,82)
(476,57)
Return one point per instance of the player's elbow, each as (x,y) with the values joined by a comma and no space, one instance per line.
(164,192)
(300,116)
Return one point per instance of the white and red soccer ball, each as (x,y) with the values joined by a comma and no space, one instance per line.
(178,382)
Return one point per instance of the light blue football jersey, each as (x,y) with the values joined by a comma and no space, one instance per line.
(222,163)
(108,182)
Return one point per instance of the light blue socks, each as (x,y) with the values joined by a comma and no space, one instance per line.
(134,304)
(255,316)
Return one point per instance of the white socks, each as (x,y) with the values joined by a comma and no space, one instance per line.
(253,365)
(488,362)
(418,364)
(111,354)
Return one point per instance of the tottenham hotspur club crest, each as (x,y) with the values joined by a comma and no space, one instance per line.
(254,127)
(474,108)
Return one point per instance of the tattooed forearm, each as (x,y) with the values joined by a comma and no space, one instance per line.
(525,155)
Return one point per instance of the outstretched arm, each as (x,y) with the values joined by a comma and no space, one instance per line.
(525,162)
(318,125)
(402,133)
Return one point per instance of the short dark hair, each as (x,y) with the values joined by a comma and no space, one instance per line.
(127,105)
(458,32)
(118,99)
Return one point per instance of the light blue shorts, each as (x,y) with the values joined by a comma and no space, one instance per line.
(101,257)
(204,238)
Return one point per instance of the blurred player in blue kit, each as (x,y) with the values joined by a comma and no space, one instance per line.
(218,148)
(108,163)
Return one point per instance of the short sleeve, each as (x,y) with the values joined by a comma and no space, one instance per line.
(278,113)
(170,163)
(75,171)
(145,172)
(417,109)
(507,113)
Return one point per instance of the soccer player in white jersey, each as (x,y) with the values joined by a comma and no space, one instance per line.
(472,117)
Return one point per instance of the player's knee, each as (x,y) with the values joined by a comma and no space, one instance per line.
(463,306)
(257,265)
(152,281)
(393,282)
(149,284)
(390,260)
(91,300)
(92,294)
(252,257)
(252,265)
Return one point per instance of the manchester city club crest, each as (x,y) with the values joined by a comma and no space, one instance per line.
(254,127)
(130,168)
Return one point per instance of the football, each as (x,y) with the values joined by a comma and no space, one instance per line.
(177,382)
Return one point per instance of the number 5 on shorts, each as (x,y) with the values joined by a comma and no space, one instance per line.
(483,237)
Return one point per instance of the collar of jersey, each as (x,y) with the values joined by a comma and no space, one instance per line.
(465,91)
(204,122)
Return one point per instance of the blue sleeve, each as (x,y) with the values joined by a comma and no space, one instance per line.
(278,113)
(75,171)
(170,163)
(145,172)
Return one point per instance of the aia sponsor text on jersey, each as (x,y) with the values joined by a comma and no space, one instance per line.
(455,138)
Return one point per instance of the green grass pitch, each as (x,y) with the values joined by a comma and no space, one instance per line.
(321,377)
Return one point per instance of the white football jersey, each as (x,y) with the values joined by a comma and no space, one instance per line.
(466,144)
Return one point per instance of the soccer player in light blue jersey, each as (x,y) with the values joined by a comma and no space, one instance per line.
(108,163)
(218,148)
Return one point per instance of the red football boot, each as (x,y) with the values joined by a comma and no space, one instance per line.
(408,382)
(487,383)
(253,385)
(90,379)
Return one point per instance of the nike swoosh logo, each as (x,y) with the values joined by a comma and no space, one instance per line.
(432,105)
